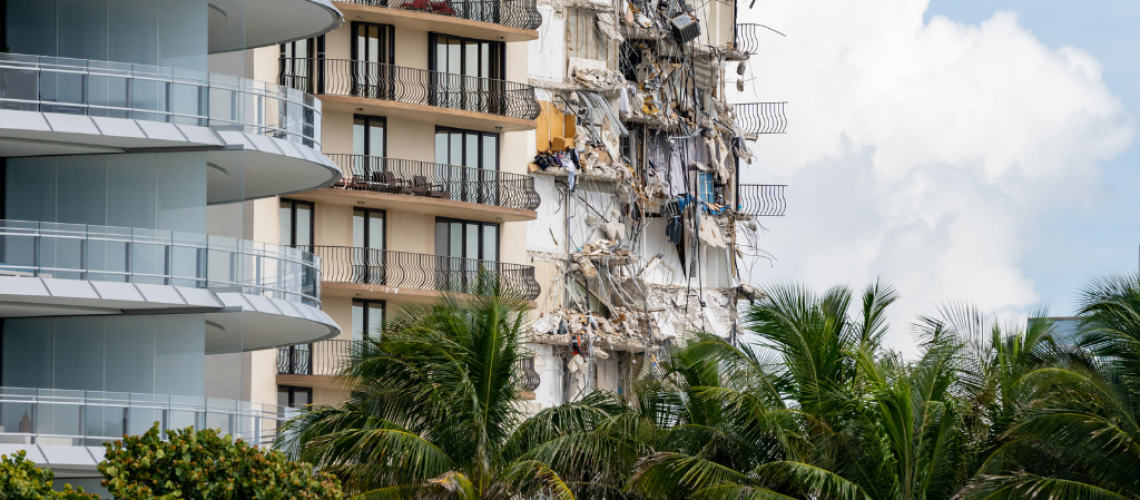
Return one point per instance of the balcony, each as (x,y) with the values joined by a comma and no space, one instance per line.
(506,20)
(382,274)
(761,118)
(323,359)
(133,255)
(43,421)
(415,94)
(52,269)
(762,200)
(430,188)
(58,106)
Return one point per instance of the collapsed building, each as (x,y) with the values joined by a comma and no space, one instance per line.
(645,233)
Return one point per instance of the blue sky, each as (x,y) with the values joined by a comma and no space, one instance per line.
(1073,244)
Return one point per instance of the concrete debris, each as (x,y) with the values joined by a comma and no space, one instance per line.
(651,246)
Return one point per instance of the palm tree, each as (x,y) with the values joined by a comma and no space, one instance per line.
(1077,436)
(433,405)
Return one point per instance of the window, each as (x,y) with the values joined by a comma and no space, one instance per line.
(469,73)
(296,223)
(368,136)
(367,318)
(294,397)
(472,149)
(705,187)
(369,143)
(467,57)
(466,250)
(373,52)
(298,62)
(467,239)
(368,228)
(375,43)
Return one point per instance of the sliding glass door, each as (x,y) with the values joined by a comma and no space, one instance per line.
(368,246)
(373,52)
(479,152)
(465,250)
(469,73)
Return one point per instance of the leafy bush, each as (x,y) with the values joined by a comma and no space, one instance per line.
(20,479)
(204,465)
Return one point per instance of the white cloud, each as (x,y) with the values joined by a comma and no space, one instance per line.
(922,153)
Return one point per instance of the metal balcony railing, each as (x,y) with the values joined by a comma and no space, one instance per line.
(134,255)
(759,118)
(82,418)
(343,77)
(762,200)
(748,37)
(530,378)
(318,358)
(425,272)
(152,93)
(521,14)
(436,180)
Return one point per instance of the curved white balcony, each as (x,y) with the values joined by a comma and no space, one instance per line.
(269,293)
(247,24)
(268,133)
(65,429)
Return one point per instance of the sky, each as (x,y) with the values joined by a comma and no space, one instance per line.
(977,151)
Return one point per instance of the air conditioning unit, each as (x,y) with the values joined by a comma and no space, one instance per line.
(685,28)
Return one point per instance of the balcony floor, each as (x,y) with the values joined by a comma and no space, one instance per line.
(435,22)
(417,204)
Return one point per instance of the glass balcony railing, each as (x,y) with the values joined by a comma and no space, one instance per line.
(150,93)
(89,418)
(133,255)
(374,266)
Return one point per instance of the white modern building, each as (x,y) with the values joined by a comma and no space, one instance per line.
(137,154)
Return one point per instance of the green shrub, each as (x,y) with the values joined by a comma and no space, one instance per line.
(204,465)
(20,479)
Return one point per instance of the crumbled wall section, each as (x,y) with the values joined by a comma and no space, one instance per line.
(639,241)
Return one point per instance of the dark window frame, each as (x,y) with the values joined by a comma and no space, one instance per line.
(368,228)
(367,305)
(463,244)
(293,221)
(292,390)
(463,132)
(388,29)
(368,120)
(498,49)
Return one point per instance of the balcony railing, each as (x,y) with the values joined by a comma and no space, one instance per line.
(762,200)
(425,272)
(343,77)
(150,93)
(521,14)
(436,180)
(748,37)
(133,255)
(88,418)
(318,358)
(760,118)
